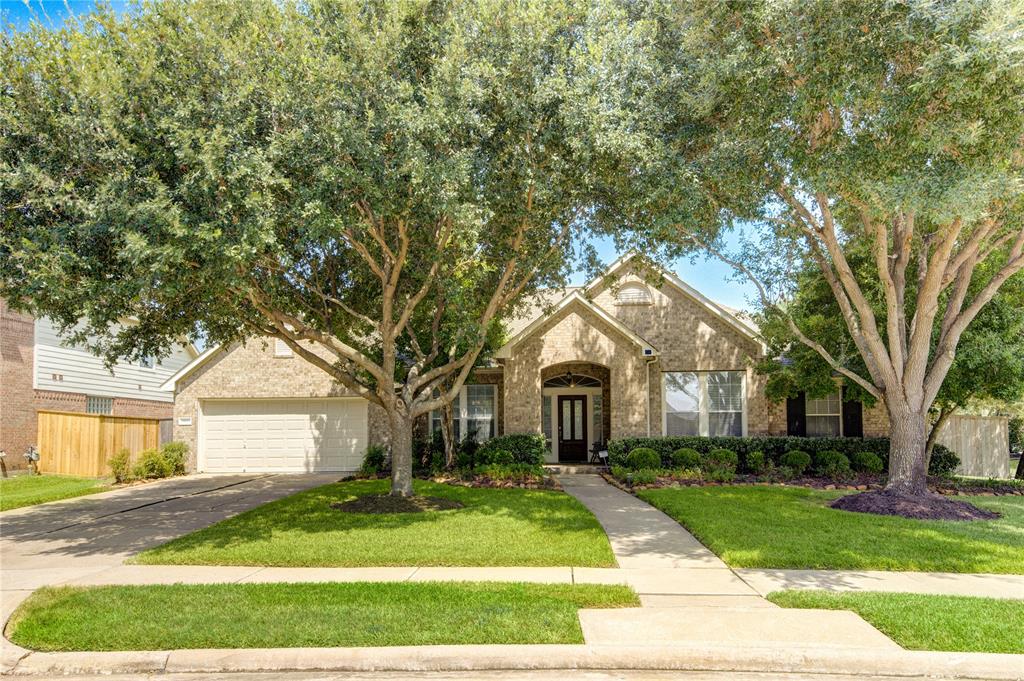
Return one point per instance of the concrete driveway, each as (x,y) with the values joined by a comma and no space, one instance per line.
(64,540)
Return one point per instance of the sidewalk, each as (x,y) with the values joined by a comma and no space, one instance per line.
(938,583)
(697,614)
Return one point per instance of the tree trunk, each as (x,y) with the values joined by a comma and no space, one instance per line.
(1020,468)
(448,436)
(401,455)
(908,457)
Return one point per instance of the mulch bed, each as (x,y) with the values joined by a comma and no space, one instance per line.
(484,481)
(926,507)
(385,503)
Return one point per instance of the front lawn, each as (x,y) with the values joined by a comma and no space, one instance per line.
(793,527)
(29,490)
(926,622)
(168,617)
(505,527)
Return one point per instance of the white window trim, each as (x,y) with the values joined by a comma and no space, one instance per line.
(703,412)
(463,415)
(282,349)
(839,414)
(152,359)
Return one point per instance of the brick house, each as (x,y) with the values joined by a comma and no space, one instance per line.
(39,372)
(632,353)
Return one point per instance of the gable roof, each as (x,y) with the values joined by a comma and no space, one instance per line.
(729,315)
(199,360)
(575,296)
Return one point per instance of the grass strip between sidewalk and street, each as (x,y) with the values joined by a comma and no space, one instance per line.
(172,617)
(29,490)
(496,527)
(925,621)
(794,527)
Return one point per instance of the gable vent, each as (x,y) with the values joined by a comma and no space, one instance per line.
(633,294)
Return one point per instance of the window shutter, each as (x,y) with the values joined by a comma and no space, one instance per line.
(853,417)
(796,416)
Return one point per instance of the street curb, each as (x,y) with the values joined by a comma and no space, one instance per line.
(998,667)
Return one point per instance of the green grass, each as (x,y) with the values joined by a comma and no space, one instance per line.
(793,527)
(168,617)
(926,622)
(29,490)
(497,527)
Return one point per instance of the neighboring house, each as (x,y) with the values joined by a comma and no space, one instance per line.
(40,373)
(619,357)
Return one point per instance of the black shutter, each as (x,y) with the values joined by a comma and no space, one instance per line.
(796,416)
(853,418)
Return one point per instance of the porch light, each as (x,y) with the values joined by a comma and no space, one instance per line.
(570,379)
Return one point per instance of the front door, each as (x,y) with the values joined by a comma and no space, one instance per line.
(572,428)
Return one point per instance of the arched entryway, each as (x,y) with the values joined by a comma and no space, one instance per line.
(575,409)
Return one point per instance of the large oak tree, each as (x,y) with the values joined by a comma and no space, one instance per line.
(830,126)
(375,184)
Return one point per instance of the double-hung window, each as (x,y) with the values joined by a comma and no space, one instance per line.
(708,403)
(824,416)
(474,412)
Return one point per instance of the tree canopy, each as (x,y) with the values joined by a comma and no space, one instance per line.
(376,184)
(832,129)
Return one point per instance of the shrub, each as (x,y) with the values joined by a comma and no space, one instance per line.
(528,448)
(174,454)
(513,471)
(719,465)
(642,457)
(686,458)
(797,461)
(756,462)
(121,466)
(374,460)
(866,462)
(832,465)
(496,457)
(943,461)
(152,465)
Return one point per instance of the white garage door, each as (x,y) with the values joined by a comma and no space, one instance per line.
(283,435)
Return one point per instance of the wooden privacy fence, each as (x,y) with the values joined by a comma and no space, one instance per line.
(981,442)
(81,444)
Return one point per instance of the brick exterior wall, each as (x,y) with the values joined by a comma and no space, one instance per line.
(688,337)
(17,408)
(686,334)
(576,334)
(252,371)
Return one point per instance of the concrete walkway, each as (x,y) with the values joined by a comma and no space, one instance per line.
(725,624)
(689,596)
(939,583)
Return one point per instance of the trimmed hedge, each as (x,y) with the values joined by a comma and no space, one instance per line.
(686,458)
(641,458)
(528,448)
(796,461)
(944,461)
(832,464)
(866,462)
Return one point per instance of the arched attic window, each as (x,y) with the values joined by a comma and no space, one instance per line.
(633,293)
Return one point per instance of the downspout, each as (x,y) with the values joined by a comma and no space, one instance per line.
(650,361)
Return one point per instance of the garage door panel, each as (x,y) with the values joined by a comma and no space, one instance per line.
(283,435)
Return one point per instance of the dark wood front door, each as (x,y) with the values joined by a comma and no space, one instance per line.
(572,428)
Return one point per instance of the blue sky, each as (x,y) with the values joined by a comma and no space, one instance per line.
(709,276)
